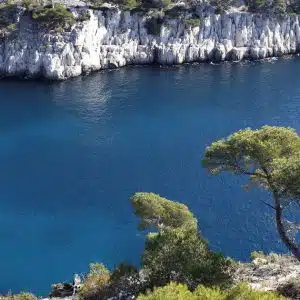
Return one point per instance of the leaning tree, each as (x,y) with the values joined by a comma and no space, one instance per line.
(270,157)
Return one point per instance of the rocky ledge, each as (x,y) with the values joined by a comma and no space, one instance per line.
(113,38)
(268,273)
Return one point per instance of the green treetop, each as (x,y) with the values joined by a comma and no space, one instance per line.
(176,251)
(270,157)
(161,213)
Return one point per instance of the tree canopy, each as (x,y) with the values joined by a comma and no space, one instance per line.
(270,156)
(176,251)
(158,212)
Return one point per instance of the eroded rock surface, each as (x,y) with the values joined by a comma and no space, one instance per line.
(113,38)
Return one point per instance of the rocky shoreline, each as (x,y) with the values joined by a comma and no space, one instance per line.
(113,38)
(263,273)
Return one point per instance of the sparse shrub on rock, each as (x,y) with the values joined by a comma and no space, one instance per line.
(193,22)
(21,296)
(290,289)
(54,17)
(175,291)
(95,283)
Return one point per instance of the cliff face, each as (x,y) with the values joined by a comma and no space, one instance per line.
(115,38)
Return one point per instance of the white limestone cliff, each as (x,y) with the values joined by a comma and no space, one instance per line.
(114,38)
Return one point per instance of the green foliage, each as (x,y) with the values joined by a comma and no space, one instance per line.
(209,293)
(30,4)
(171,291)
(158,212)
(130,4)
(99,283)
(257,5)
(54,17)
(85,16)
(263,154)
(11,27)
(97,269)
(27,3)
(175,12)
(270,156)
(165,3)
(293,7)
(124,4)
(221,5)
(279,6)
(123,269)
(194,22)
(7,15)
(257,254)
(177,252)
(158,4)
(175,291)
(290,289)
(242,291)
(21,296)
(95,283)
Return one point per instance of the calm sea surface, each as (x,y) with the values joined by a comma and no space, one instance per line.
(72,153)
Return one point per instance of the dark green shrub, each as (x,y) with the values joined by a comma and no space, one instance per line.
(194,22)
(156,211)
(175,12)
(177,252)
(293,7)
(172,291)
(130,4)
(279,7)
(156,3)
(85,16)
(290,289)
(8,15)
(95,283)
(123,269)
(54,17)
(221,5)
(31,4)
(257,5)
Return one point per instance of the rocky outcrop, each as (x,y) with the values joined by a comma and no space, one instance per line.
(268,272)
(61,290)
(114,38)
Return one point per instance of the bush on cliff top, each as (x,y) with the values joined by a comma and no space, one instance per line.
(175,291)
(193,22)
(95,283)
(54,17)
(21,296)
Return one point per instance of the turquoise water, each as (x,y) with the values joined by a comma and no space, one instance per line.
(72,153)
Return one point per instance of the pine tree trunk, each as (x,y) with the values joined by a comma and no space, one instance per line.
(282,231)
